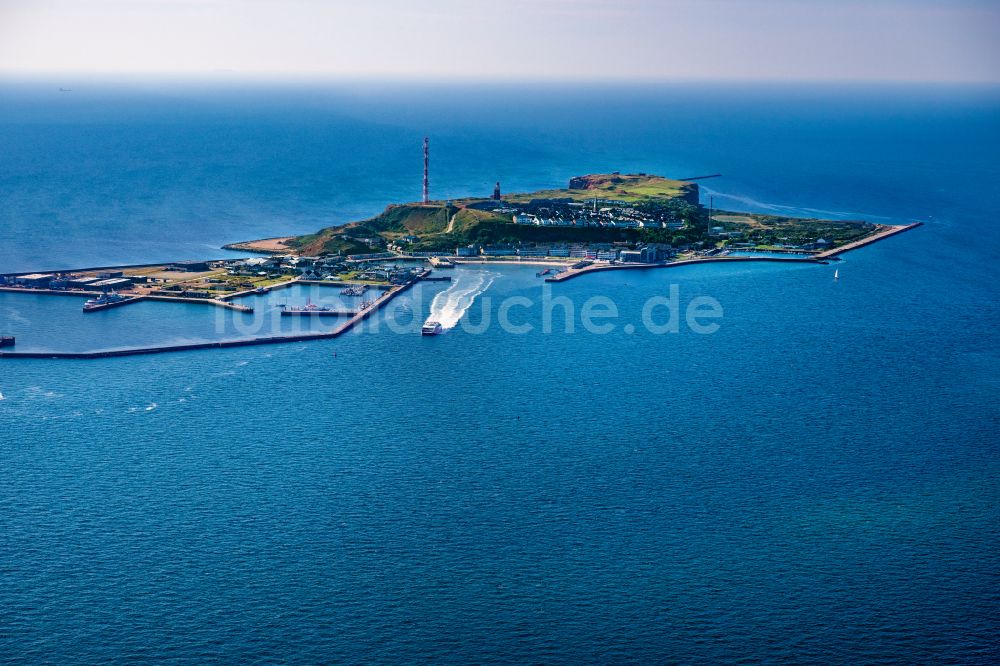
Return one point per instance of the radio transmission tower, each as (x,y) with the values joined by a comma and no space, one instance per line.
(427,160)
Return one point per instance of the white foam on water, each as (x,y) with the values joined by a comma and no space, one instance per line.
(793,211)
(15,316)
(449,305)
(38,393)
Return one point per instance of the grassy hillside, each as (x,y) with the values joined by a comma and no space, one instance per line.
(411,219)
(619,187)
(327,241)
(434,224)
(439,224)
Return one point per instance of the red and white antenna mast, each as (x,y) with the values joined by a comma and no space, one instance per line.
(427,159)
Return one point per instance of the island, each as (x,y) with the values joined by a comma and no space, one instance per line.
(616,219)
(599,222)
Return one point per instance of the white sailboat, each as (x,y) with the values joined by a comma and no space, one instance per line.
(836,273)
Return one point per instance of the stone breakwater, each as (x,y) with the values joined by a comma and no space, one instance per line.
(381,301)
(820,258)
(594,268)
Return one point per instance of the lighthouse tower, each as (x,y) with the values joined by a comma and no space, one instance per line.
(496,192)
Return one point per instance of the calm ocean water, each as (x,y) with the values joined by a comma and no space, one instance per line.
(815,482)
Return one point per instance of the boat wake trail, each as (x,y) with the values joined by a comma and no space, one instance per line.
(793,211)
(448,306)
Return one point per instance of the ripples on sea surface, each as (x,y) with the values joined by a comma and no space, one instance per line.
(816,482)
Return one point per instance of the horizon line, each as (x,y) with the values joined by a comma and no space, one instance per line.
(248,76)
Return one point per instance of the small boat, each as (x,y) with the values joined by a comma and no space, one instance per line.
(261,290)
(836,274)
(105,301)
(431,328)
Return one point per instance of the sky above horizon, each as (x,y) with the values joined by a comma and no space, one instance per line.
(841,40)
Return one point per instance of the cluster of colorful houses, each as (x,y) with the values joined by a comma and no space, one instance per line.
(374,267)
(608,218)
(380,266)
(324,267)
(646,254)
(607,213)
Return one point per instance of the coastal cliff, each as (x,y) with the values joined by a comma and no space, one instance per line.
(602,209)
(630,185)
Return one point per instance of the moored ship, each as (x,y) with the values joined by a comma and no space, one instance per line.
(310,309)
(354,290)
(105,301)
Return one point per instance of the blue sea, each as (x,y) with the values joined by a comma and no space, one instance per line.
(816,481)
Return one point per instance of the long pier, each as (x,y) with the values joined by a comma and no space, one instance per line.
(335,312)
(337,283)
(222,301)
(377,304)
(594,268)
(874,238)
(217,302)
(693,178)
(819,258)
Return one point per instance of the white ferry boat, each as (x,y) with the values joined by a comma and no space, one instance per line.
(105,301)
(431,328)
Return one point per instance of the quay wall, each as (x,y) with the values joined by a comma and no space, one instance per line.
(49,292)
(572,273)
(332,283)
(892,231)
(222,344)
(252,291)
(106,268)
(815,259)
